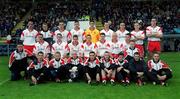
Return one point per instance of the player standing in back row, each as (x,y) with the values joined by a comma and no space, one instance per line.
(154,33)
(28,36)
(66,35)
(122,32)
(138,36)
(77,31)
(108,32)
(93,31)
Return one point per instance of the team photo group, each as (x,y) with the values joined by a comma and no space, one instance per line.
(91,55)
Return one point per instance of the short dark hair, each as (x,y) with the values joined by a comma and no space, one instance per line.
(75,36)
(136,22)
(121,53)
(76,21)
(88,35)
(40,53)
(128,34)
(105,22)
(132,41)
(40,34)
(58,53)
(103,34)
(59,34)
(20,43)
(44,23)
(92,52)
(106,52)
(31,20)
(61,21)
(91,21)
(136,53)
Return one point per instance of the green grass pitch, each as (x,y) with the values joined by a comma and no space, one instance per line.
(22,90)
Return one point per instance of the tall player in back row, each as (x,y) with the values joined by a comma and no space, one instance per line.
(108,32)
(93,31)
(122,32)
(66,35)
(47,34)
(28,36)
(138,36)
(154,34)
(77,31)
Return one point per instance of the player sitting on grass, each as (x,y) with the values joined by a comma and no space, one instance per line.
(92,68)
(107,68)
(138,69)
(75,67)
(123,72)
(38,72)
(18,62)
(57,68)
(159,71)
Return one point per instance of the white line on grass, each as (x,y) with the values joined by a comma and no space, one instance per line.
(1,83)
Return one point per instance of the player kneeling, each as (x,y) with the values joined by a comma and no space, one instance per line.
(75,68)
(107,68)
(57,68)
(138,69)
(92,68)
(38,72)
(159,72)
(18,62)
(123,72)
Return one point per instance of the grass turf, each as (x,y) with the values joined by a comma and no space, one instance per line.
(21,89)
